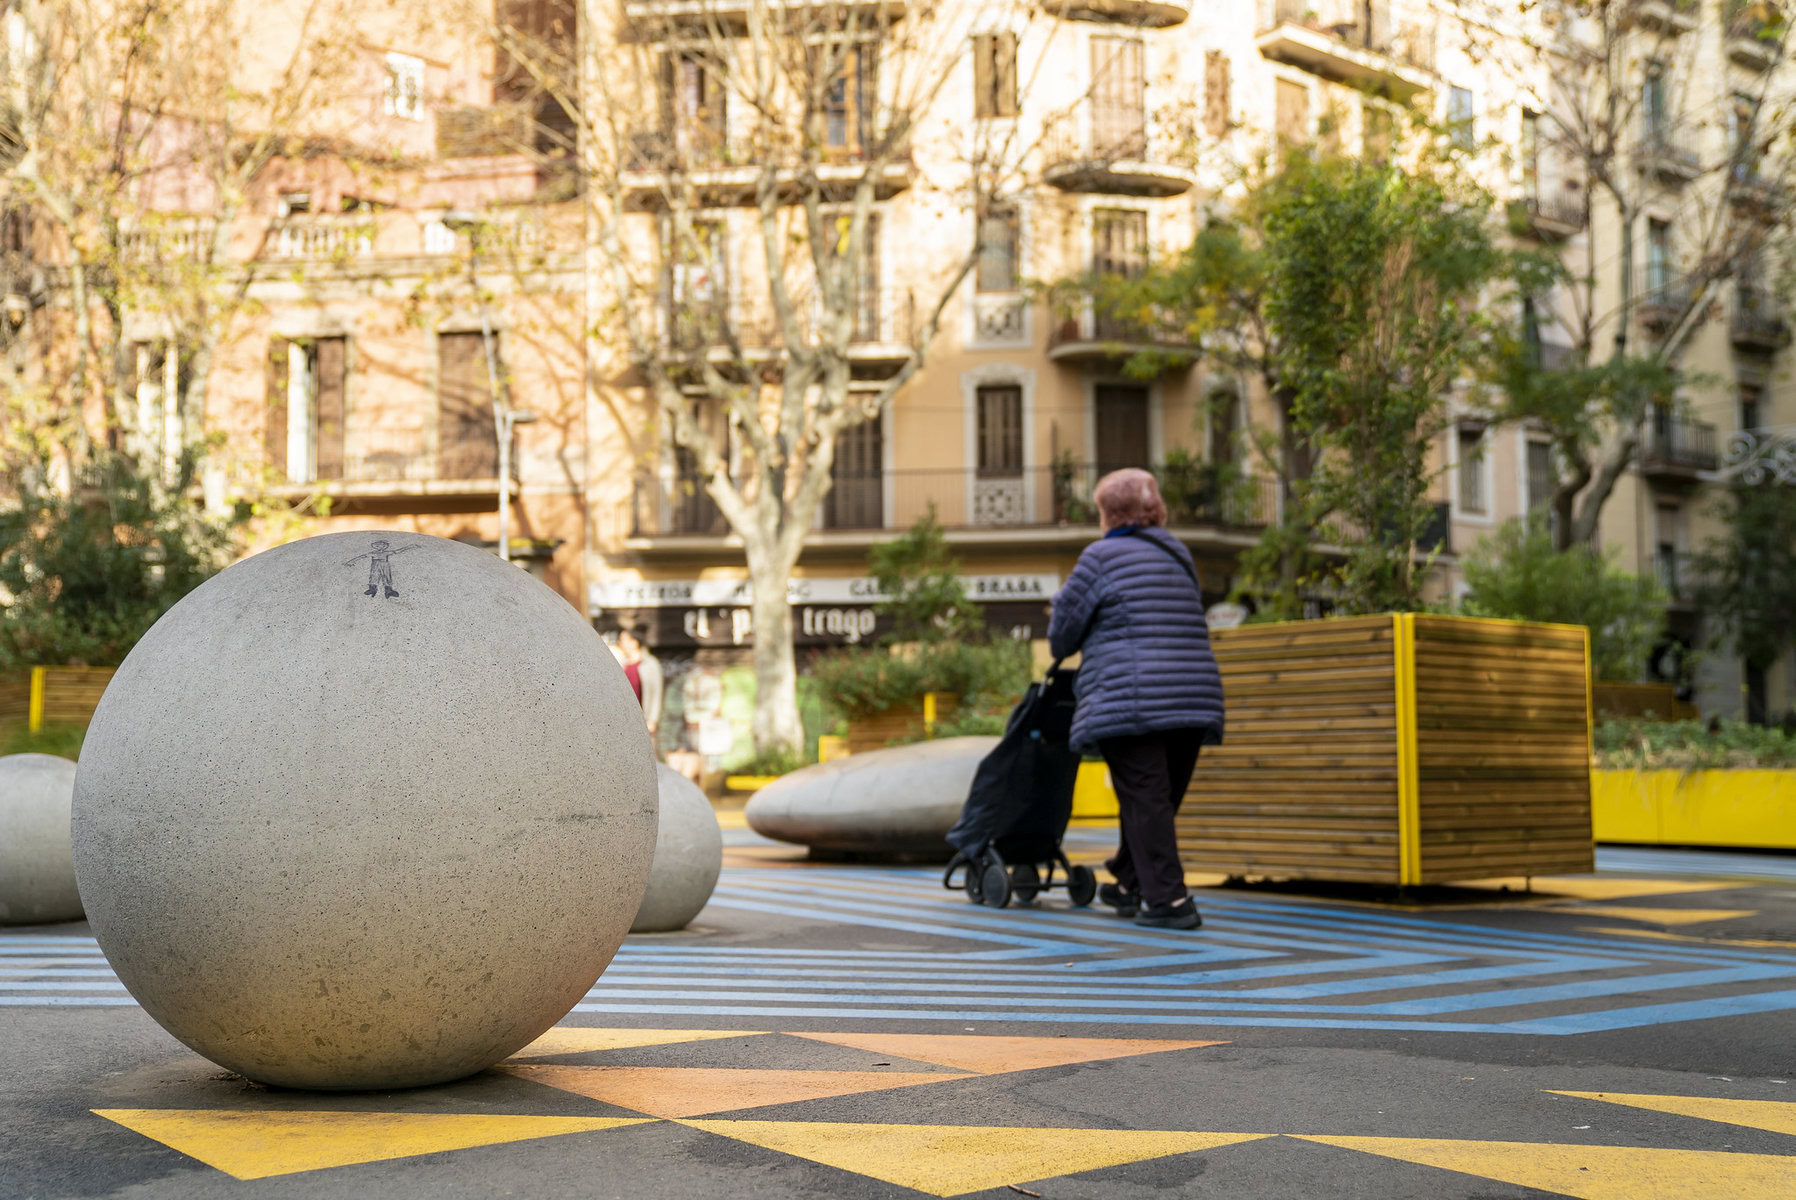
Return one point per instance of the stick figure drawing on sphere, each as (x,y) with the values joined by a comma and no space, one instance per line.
(380,567)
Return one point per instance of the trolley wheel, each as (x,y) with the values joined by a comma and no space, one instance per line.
(1025,883)
(994,884)
(975,876)
(1081,885)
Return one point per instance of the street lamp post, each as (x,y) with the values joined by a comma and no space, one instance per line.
(505,418)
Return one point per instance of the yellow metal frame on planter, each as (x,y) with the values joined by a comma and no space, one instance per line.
(34,719)
(1409,772)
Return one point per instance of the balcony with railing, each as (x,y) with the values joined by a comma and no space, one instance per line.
(1669,152)
(330,238)
(1750,188)
(1364,44)
(1550,213)
(1152,14)
(725,166)
(1088,335)
(1678,451)
(1110,152)
(1665,17)
(1755,32)
(374,464)
(1758,321)
(882,330)
(1666,299)
(1050,500)
(734,14)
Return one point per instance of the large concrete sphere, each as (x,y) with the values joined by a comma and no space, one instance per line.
(688,857)
(37,869)
(897,803)
(368,810)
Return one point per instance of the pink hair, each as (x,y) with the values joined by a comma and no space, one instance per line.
(1129,497)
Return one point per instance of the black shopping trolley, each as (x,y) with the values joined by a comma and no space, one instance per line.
(1008,838)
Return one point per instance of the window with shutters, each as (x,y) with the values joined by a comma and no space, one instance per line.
(307,381)
(1119,241)
(1543,478)
(856,498)
(1751,399)
(1291,112)
(1461,118)
(994,75)
(1473,493)
(1000,430)
(403,94)
(695,109)
(850,99)
(1000,238)
(467,444)
(1216,94)
(697,283)
(1118,99)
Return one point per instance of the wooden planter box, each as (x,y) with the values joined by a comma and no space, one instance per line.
(53,695)
(909,719)
(1405,749)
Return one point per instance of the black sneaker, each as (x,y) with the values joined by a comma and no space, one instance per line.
(1182,915)
(1126,904)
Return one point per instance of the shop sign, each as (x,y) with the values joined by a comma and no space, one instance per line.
(682,593)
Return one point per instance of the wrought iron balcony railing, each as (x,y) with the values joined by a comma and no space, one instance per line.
(968,499)
(1679,447)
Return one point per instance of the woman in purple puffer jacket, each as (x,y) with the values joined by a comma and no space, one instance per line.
(1149,694)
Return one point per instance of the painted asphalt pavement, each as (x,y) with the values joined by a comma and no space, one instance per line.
(860,1031)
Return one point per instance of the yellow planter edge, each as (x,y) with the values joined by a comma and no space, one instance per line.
(1747,808)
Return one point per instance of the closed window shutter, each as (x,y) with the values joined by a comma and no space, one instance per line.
(1216,94)
(1000,430)
(275,432)
(329,375)
(1004,69)
(984,89)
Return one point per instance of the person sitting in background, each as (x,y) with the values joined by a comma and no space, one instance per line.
(1149,694)
(643,670)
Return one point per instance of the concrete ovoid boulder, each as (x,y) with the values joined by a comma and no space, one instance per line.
(37,865)
(896,803)
(365,811)
(688,856)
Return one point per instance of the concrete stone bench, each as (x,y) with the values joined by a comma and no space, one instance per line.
(895,804)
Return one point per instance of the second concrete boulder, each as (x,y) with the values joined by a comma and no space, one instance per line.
(897,803)
(688,857)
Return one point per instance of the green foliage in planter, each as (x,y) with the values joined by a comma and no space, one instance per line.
(1689,746)
(64,741)
(939,642)
(778,761)
(1517,573)
(863,683)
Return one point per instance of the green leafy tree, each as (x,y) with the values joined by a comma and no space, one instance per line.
(1749,573)
(85,574)
(920,586)
(1374,280)
(1520,573)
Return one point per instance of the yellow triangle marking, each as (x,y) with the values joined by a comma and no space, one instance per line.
(951,1160)
(575,1040)
(1662,936)
(1595,1172)
(1777,1116)
(694,1091)
(1657,916)
(1585,887)
(993,1055)
(255,1145)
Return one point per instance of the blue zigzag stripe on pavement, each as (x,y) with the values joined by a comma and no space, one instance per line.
(1257,962)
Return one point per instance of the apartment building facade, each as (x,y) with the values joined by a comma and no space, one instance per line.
(368,375)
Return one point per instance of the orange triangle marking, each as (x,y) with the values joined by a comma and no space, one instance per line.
(995,1055)
(694,1091)
(573,1039)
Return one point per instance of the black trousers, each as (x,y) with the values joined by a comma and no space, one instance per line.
(1150,772)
